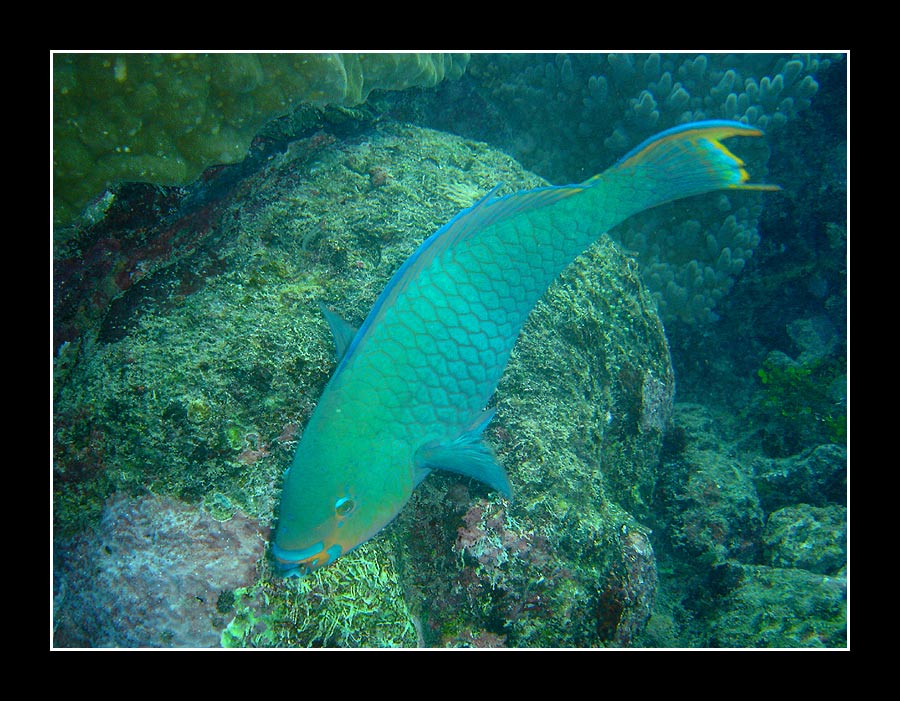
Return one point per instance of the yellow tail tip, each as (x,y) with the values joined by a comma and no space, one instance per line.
(698,146)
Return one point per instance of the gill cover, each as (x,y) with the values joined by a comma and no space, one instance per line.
(303,560)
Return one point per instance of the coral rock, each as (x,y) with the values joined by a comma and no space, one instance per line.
(152,576)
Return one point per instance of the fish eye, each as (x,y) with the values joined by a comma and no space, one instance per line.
(344,506)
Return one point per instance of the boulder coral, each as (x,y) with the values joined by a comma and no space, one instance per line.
(164,118)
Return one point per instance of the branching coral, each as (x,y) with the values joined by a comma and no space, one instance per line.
(691,264)
(602,105)
(605,104)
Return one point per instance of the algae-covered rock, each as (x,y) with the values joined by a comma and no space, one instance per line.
(199,379)
(775,607)
(163,118)
(708,496)
(732,572)
(816,476)
(807,537)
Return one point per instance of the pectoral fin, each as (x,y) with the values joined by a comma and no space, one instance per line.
(466,455)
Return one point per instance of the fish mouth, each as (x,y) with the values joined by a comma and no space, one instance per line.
(297,563)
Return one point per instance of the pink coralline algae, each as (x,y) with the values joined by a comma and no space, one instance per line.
(254,449)
(488,539)
(477,639)
(156,573)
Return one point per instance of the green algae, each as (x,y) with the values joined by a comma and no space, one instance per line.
(355,603)
(799,397)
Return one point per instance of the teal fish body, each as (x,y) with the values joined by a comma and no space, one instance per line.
(410,389)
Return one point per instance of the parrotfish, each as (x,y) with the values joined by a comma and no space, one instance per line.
(410,389)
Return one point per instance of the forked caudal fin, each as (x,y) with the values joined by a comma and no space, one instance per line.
(686,160)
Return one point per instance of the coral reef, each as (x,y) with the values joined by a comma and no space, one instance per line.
(163,118)
(740,567)
(569,116)
(156,573)
(191,352)
(196,381)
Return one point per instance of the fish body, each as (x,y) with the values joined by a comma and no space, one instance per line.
(409,393)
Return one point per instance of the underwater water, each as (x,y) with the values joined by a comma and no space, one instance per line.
(673,419)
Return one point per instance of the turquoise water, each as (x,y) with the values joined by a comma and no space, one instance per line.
(190,352)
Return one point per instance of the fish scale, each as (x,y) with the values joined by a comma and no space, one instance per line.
(409,393)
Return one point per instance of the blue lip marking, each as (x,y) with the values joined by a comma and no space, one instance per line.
(296,563)
(292,556)
(333,552)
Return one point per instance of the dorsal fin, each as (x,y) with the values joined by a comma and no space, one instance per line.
(342,331)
